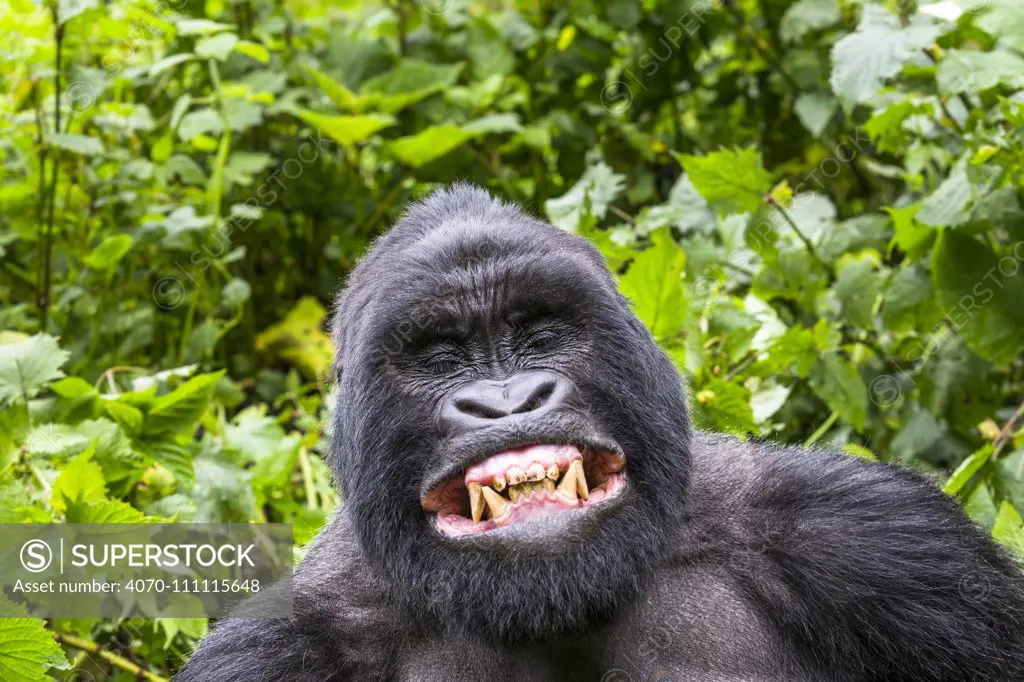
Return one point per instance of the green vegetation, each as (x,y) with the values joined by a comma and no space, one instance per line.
(815,206)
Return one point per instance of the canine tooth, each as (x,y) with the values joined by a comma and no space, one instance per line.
(567,488)
(515,475)
(576,469)
(498,483)
(535,472)
(553,472)
(476,501)
(496,504)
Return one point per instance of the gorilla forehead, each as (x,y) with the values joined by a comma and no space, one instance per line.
(461,252)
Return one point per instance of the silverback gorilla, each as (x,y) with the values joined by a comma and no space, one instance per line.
(525,499)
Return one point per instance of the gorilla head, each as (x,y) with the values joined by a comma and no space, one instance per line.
(511,444)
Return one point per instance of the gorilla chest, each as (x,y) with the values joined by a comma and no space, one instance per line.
(689,626)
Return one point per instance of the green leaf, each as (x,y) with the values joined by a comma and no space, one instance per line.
(967,469)
(27,366)
(837,381)
(158,67)
(654,283)
(862,61)
(217,46)
(81,480)
(969,71)
(55,439)
(27,648)
(347,130)
(181,409)
(345,99)
(592,193)
(815,109)
(411,81)
(857,288)
(128,417)
(805,16)
(488,51)
(429,144)
(1008,530)
(109,252)
(886,126)
(106,511)
(980,302)
(175,457)
(254,50)
(1004,19)
(911,237)
(196,27)
(76,144)
(69,9)
(735,179)
(725,406)
(72,387)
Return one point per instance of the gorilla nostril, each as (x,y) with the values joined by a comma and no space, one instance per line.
(538,398)
(475,408)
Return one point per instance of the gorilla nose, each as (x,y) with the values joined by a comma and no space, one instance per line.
(482,402)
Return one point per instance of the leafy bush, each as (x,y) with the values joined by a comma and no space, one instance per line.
(815,207)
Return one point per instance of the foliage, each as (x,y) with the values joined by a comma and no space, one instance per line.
(815,207)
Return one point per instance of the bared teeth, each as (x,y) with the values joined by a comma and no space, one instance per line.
(498,483)
(567,488)
(496,504)
(515,492)
(549,485)
(476,501)
(515,475)
(553,472)
(535,472)
(581,479)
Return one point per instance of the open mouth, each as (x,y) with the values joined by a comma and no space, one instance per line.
(524,484)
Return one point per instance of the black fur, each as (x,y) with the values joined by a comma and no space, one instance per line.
(722,560)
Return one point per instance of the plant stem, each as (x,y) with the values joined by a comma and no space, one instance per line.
(822,430)
(108,656)
(1004,433)
(788,217)
(52,203)
(307,478)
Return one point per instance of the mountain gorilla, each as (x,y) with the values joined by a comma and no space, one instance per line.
(525,499)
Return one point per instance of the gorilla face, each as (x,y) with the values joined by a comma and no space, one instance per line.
(511,443)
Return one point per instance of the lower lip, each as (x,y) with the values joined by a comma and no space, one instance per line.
(455,525)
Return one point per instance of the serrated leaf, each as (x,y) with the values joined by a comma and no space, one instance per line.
(54,439)
(347,130)
(733,179)
(857,287)
(970,71)
(181,409)
(27,648)
(886,126)
(1004,19)
(27,366)
(862,61)
(106,511)
(428,145)
(80,480)
(176,458)
(725,406)
(109,252)
(837,381)
(597,189)
(654,284)
(76,144)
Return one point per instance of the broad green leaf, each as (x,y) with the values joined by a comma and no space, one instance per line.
(805,16)
(1008,529)
(970,71)
(200,122)
(495,123)
(27,366)
(347,130)
(196,27)
(725,406)
(109,252)
(55,439)
(72,387)
(429,144)
(162,65)
(981,303)
(857,287)
(174,457)
(128,417)
(886,126)
(654,283)
(734,179)
(69,9)
(180,409)
(77,144)
(27,648)
(1005,20)
(947,205)
(815,109)
(795,349)
(837,381)
(217,46)
(107,511)
(593,192)
(345,99)
(907,289)
(488,51)
(80,480)
(299,338)
(862,61)
(911,237)
(411,81)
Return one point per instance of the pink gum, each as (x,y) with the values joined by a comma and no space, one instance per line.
(546,454)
